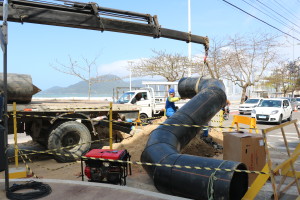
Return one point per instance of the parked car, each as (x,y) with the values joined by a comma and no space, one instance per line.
(273,110)
(293,102)
(249,105)
(298,102)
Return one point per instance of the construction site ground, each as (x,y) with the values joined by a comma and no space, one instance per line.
(65,179)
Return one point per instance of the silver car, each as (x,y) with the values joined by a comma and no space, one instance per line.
(249,105)
(293,102)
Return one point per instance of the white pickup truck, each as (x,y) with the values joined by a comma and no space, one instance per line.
(152,101)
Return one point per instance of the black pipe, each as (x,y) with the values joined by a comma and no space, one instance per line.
(19,88)
(165,143)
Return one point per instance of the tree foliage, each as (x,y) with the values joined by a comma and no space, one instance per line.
(286,77)
(215,68)
(246,58)
(170,66)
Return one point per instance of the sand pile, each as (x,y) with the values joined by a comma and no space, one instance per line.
(136,142)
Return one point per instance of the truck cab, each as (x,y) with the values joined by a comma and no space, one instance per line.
(150,105)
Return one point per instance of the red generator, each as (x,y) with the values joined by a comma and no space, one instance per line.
(98,170)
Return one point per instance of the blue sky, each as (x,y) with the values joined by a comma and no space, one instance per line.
(32,47)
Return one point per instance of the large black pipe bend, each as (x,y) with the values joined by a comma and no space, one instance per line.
(165,143)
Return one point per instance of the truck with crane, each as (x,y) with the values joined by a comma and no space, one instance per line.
(62,127)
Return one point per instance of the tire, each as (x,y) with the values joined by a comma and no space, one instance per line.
(291,116)
(143,118)
(280,120)
(67,134)
(225,116)
(241,113)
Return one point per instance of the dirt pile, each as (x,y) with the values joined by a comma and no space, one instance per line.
(136,142)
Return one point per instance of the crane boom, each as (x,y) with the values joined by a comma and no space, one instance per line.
(90,16)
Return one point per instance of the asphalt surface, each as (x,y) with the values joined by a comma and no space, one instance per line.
(278,153)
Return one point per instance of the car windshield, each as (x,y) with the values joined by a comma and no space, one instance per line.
(125,97)
(252,101)
(270,103)
(298,99)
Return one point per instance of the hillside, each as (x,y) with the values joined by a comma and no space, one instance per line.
(104,88)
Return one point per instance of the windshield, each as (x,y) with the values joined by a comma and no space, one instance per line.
(125,98)
(270,103)
(252,101)
(297,99)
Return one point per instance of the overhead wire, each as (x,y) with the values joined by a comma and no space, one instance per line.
(277,13)
(261,20)
(286,9)
(274,18)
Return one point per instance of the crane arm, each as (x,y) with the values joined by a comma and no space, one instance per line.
(91,16)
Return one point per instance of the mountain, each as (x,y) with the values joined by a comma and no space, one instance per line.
(105,88)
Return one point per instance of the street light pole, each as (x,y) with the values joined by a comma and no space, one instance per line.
(189,44)
(130,65)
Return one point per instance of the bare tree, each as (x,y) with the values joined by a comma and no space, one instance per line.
(214,64)
(170,66)
(82,71)
(247,58)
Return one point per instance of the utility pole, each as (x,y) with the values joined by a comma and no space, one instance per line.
(130,65)
(189,44)
(3,41)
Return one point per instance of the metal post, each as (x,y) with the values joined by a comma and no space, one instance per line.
(110,125)
(3,41)
(189,44)
(15,134)
(130,72)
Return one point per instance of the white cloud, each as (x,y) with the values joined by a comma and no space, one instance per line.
(118,68)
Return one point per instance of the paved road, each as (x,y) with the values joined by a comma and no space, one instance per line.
(278,153)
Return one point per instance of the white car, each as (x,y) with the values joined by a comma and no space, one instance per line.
(249,105)
(273,110)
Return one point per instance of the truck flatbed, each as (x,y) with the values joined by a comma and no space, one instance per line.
(58,105)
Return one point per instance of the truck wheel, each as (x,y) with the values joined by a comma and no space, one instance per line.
(143,118)
(68,134)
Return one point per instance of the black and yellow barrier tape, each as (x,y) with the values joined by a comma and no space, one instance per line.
(186,125)
(55,169)
(26,165)
(140,123)
(155,164)
(175,166)
(62,148)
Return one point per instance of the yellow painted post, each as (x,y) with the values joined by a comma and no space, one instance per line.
(253,125)
(110,125)
(17,172)
(15,134)
(221,118)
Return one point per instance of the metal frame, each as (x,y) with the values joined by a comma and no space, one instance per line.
(284,169)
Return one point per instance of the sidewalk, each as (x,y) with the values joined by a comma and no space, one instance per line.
(77,190)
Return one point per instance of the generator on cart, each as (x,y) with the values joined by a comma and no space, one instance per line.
(105,165)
